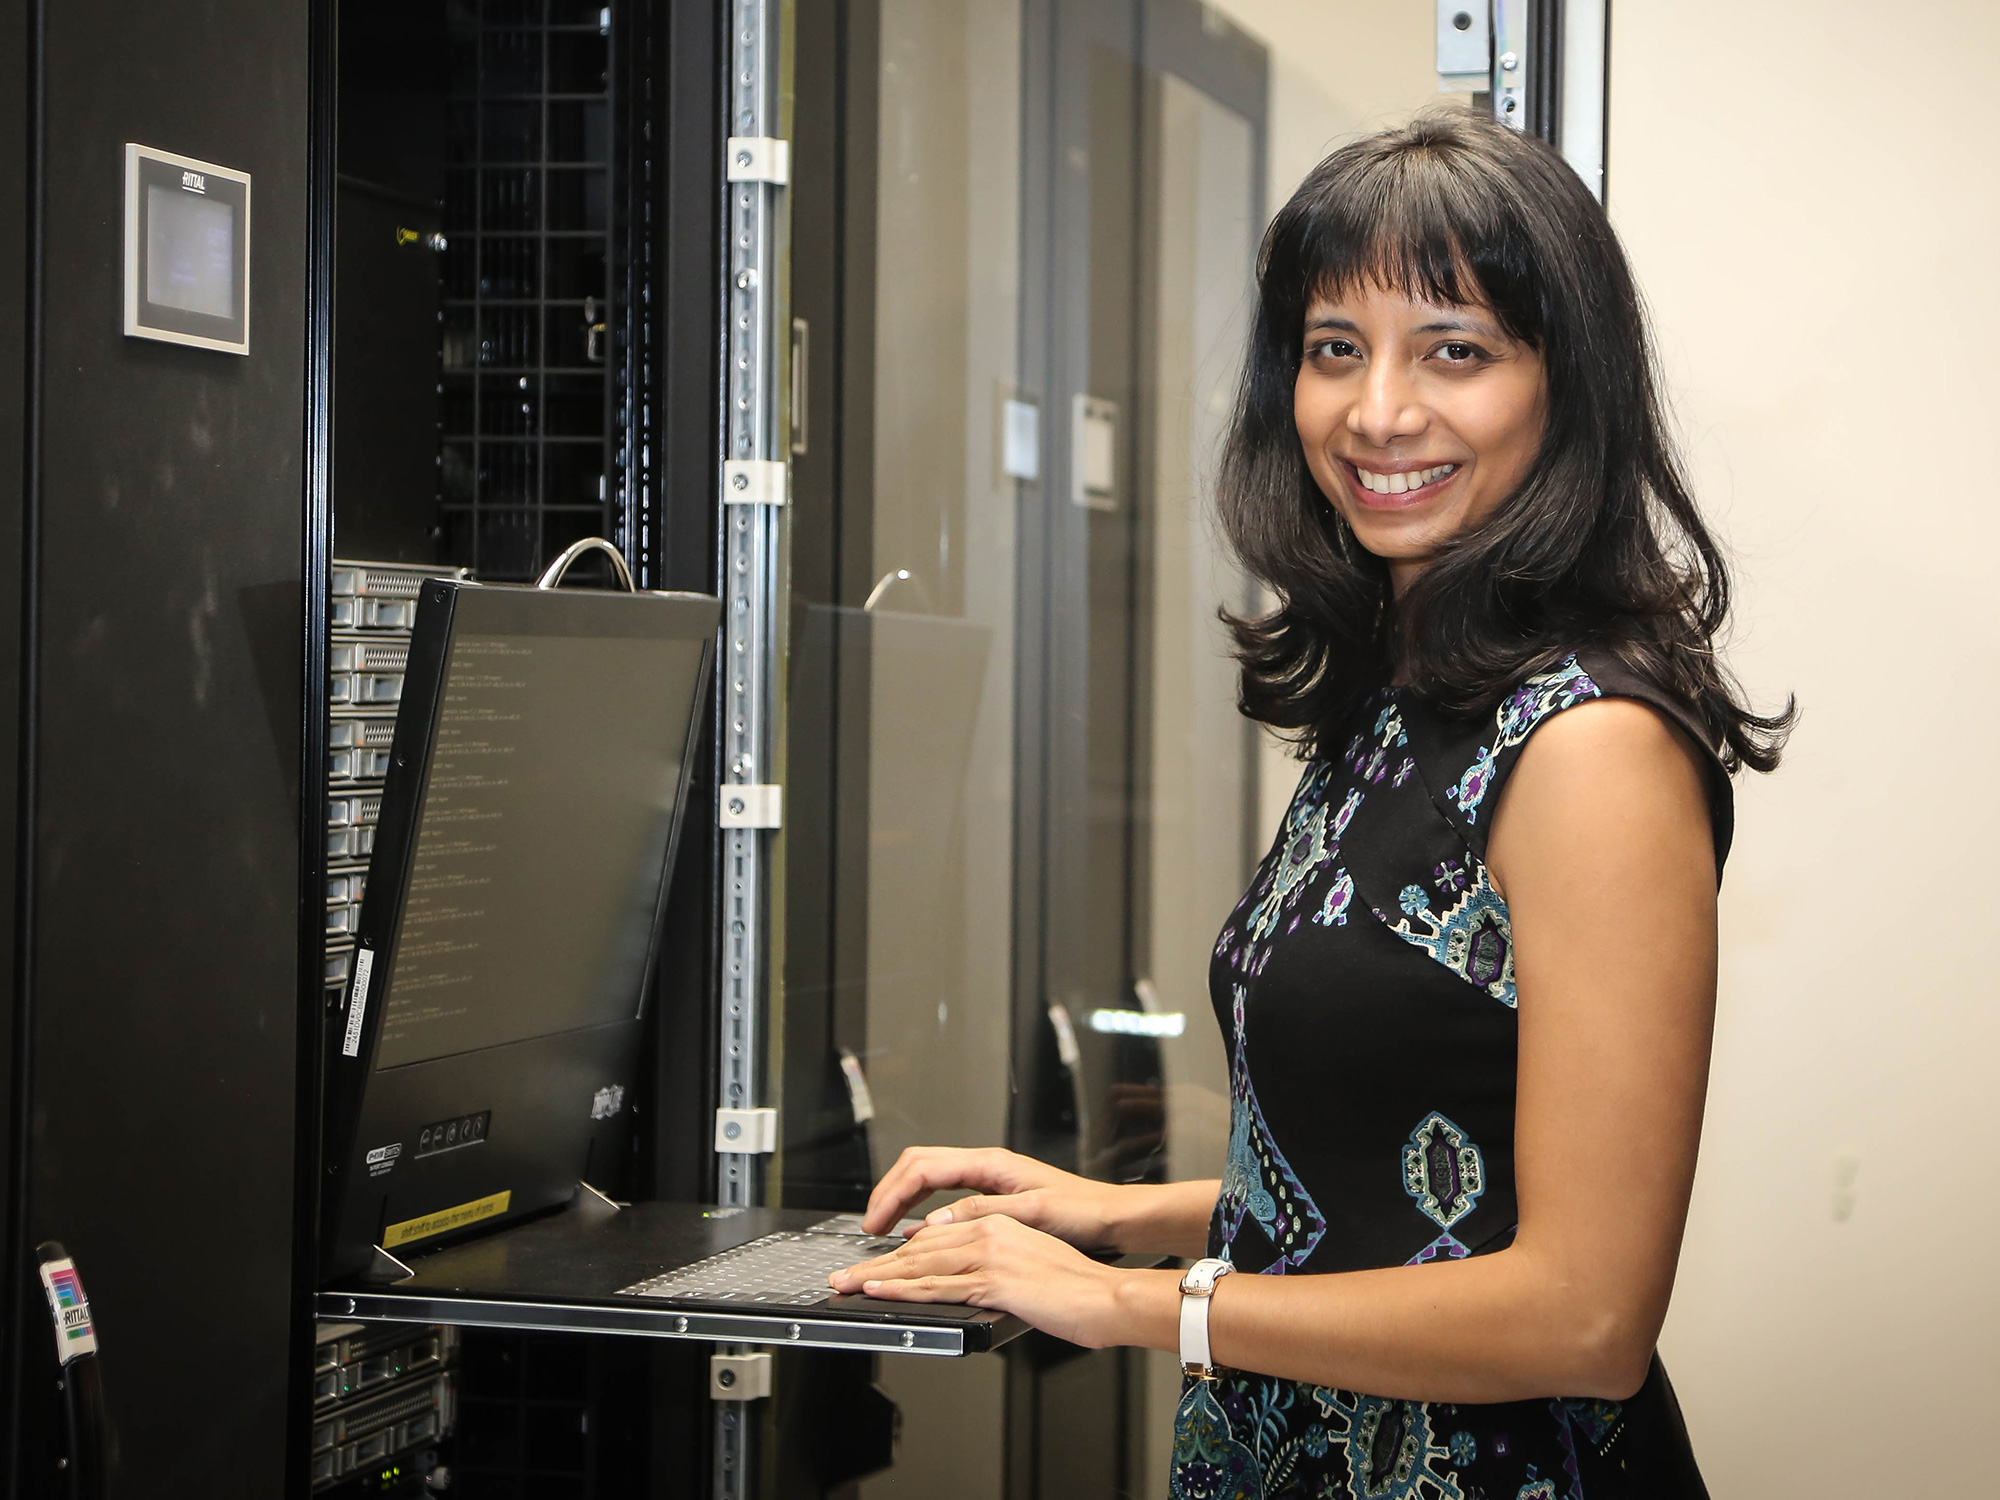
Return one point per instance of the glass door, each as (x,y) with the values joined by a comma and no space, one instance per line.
(1020,800)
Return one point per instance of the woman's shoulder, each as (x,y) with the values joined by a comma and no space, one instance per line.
(1467,758)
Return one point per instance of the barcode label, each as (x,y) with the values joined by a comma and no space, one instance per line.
(364,965)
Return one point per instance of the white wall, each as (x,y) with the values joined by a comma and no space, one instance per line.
(1808,195)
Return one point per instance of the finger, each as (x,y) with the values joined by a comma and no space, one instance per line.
(945,1250)
(923,1170)
(919,1172)
(915,1252)
(926,1289)
(886,1202)
(1020,1206)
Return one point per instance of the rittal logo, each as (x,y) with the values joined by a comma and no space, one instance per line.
(194,182)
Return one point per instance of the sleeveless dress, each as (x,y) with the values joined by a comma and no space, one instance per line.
(1365,984)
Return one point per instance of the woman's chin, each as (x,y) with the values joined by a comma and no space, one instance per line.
(1399,537)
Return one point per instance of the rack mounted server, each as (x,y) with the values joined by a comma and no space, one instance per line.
(372,608)
(383,1397)
(382,1400)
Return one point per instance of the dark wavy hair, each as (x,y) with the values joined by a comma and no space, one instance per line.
(1602,543)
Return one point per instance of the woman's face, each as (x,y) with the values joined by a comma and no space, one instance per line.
(1417,420)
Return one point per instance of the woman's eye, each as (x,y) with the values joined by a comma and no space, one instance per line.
(1332,349)
(1458,353)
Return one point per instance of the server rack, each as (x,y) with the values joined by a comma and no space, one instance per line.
(523,153)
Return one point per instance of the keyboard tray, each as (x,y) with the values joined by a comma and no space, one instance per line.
(569,1272)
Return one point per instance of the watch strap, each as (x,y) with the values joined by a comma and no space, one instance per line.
(1197,1291)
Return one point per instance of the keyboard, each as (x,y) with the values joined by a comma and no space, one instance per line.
(785,1269)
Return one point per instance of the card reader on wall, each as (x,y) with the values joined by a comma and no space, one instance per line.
(187,251)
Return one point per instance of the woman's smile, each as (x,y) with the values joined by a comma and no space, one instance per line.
(1397,484)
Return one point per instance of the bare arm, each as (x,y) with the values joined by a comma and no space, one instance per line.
(1603,850)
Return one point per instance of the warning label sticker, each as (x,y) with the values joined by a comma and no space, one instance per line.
(446,1220)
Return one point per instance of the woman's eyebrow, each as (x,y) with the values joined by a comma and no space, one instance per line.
(1328,320)
(1454,325)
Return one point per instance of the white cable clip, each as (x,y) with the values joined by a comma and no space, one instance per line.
(745,806)
(760,158)
(746,1132)
(753,481)
(739,1377)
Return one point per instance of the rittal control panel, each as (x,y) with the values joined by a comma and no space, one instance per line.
(187,251)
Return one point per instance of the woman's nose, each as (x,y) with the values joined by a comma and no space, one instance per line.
(1387,409)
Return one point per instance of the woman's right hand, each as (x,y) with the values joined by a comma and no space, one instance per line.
(1072,1208)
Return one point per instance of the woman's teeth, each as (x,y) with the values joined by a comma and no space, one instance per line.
(1401,484)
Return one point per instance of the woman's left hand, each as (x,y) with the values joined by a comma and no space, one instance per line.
(1000,1263)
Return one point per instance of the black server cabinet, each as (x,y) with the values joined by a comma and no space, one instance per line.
(165,529)
(156,732)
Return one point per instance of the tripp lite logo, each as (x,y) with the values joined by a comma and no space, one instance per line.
(71,1308)
(194,182)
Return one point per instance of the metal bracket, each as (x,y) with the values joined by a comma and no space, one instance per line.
(384,1269)
(751,806)
(748,1132)
(593,1206)
(754,481)
(739,1377)
(1093,453)
(760,158)
(1464,46)
(1510,63)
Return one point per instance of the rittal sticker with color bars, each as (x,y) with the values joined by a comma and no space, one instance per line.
(70,1309)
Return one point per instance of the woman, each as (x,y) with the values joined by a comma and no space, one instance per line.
(1470,991)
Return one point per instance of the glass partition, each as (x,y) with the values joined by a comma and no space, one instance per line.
(1020,801)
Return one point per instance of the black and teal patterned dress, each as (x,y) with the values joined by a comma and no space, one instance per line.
(1365,985)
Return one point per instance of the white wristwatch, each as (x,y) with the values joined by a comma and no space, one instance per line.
(1197,1288)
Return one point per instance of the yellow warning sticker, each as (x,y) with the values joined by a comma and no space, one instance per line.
(445,1220)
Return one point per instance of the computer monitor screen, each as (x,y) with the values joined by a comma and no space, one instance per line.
(540,838)
(479,1064)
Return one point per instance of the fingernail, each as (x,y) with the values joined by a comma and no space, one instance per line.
(869,1286)
(938,1216)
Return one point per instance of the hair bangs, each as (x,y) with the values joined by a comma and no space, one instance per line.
(1418,223)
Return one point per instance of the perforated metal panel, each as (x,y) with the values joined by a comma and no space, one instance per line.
(529,454)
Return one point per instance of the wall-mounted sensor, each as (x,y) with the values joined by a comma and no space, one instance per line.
(1464,46)
(187,251)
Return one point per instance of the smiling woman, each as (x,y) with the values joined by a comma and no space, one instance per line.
(1469,994)
(1428,292)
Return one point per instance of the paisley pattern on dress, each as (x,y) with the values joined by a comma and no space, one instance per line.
(1372,1110)
(1442,1170)
(1472,937)
(1520,711)
(1254,1437)
(1208,1462)
(1258,1184)
(1392,1451)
